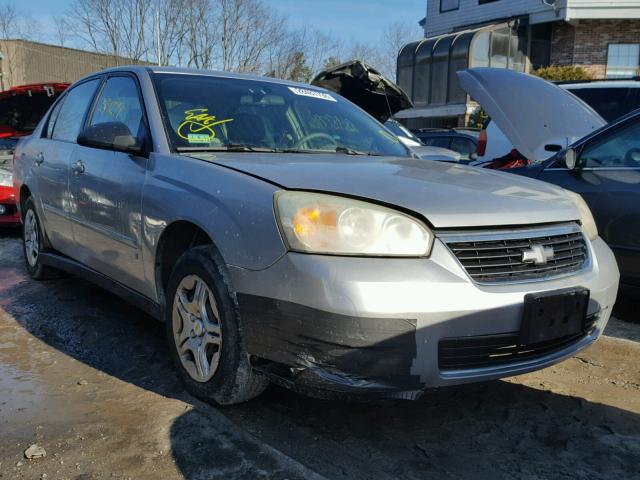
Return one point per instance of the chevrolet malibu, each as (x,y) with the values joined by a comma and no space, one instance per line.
(284,235)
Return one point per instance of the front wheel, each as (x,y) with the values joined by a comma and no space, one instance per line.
(203,329)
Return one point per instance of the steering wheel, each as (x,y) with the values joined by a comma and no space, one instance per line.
(313,136)
(632,157)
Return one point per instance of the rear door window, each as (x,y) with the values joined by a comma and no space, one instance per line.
(73,111)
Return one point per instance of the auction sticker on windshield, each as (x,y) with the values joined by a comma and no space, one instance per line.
(312,93)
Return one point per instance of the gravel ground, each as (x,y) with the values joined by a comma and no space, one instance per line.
(87,378)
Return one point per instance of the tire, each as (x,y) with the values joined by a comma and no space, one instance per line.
(203,331)
(33,243)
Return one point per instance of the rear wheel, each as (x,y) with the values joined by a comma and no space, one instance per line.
(202,324)
(33,243)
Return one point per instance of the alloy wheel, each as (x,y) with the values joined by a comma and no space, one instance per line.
(31,244)
(197,330)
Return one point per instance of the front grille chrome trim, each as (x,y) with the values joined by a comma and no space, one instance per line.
(573,254)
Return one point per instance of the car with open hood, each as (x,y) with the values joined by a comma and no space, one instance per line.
(381,98)
(604,159)
(21,108)
(282,234)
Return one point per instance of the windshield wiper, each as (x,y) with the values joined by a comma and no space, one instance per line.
(351,151)
(232,147)
(240,147)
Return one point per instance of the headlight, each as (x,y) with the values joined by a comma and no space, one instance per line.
(318,223)
(586,217)
(6,178)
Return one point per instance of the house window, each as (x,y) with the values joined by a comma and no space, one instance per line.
(623,60)
(448,5)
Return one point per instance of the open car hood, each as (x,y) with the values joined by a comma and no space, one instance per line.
(530,111)
(366,87)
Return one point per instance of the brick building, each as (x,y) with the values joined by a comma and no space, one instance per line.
(601,36)
(25,62)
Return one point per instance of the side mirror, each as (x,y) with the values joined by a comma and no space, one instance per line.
(552,147)
(114,136)
(571,159)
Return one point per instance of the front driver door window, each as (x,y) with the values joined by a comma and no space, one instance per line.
(619,149)
(107,226)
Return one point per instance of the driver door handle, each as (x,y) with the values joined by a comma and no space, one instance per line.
(39,159)
(78,167)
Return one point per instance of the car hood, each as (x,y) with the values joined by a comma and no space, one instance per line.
(366,87)
(530,111)
(435,153)
(447,195)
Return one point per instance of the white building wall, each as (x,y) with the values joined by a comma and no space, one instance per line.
(599,9)
(470,13)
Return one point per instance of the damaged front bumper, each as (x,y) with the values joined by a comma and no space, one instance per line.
(379,326)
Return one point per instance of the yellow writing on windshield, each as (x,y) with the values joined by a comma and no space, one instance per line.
(198,120)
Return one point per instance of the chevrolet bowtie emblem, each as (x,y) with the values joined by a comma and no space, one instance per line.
(538,255)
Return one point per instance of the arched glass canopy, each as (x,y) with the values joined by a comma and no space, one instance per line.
(427,69)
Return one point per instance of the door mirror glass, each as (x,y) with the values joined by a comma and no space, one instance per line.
(571,159)
(110,136)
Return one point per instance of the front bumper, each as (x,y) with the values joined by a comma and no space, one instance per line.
(9,216)
(374,325)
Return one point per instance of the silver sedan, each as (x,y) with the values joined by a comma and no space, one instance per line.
(284,235)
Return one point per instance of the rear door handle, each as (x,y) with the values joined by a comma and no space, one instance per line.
(39,159)
(78,167)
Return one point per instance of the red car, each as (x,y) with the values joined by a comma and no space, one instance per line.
(21,108)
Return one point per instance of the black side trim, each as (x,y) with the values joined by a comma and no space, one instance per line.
(357,352)
(78,269)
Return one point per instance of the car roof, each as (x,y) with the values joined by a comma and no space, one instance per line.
(601,84)
(141,69)
(443,132)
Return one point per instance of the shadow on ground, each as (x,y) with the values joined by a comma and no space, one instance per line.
(493,430)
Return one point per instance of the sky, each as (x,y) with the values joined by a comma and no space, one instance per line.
(363,20)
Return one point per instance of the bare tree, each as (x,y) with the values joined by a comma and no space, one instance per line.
(168,30)
(62,31)
(117,27)
(393,38)
(248,30)
(134,27)
(14,24)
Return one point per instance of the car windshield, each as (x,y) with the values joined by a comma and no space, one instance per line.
(215,113)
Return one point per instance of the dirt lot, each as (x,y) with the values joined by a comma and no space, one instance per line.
(88,378)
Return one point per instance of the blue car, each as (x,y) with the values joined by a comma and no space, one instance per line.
(599,161)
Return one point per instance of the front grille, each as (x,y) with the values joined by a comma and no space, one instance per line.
(495,350)
(498,258)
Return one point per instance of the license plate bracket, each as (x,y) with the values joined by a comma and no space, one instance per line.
(553,315)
